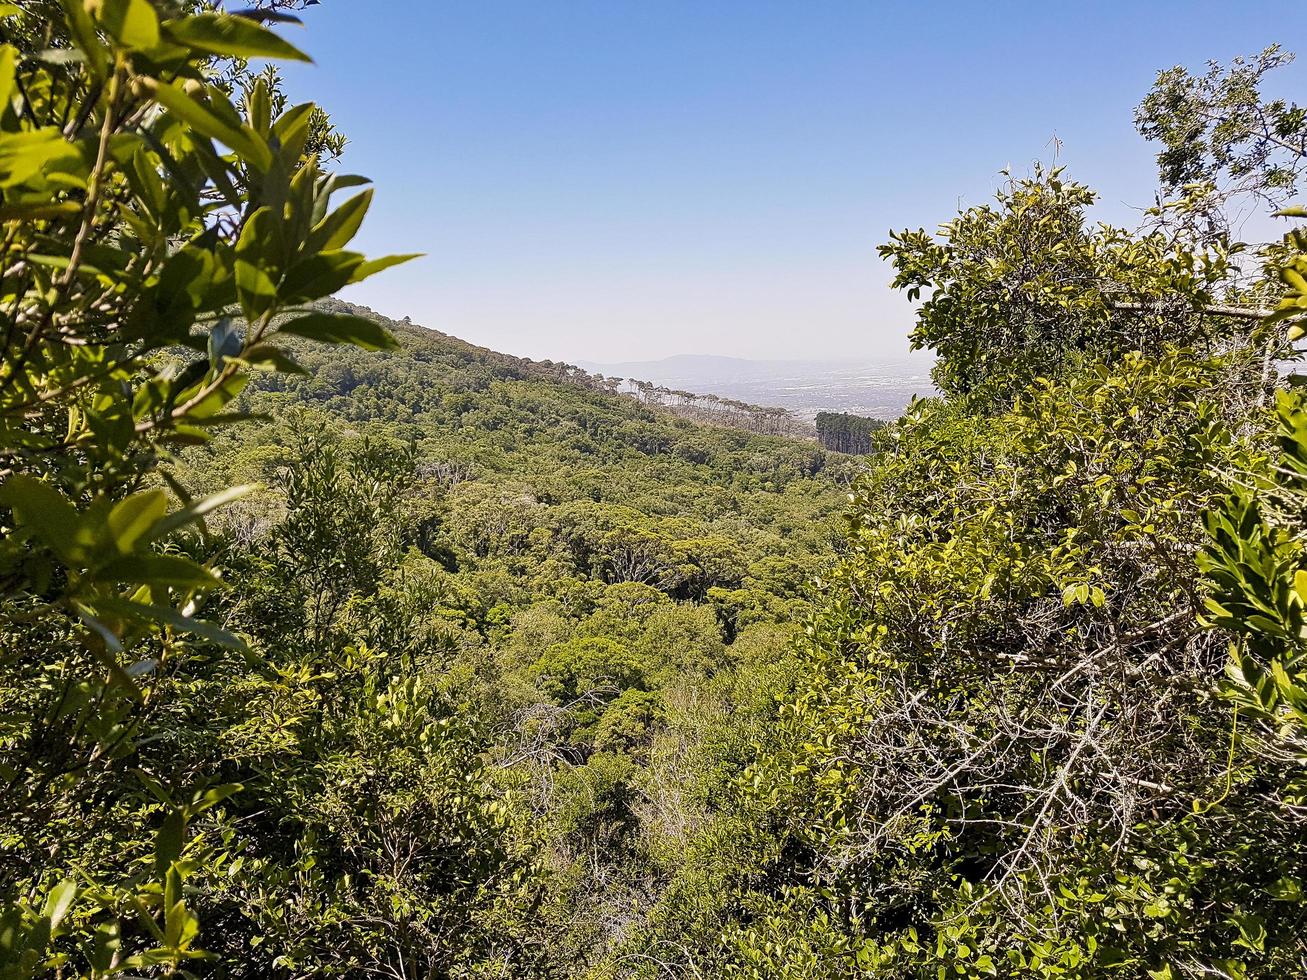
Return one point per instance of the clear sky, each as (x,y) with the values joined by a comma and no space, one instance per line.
(613,180)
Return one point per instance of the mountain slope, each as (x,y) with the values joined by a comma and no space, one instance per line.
(601,593)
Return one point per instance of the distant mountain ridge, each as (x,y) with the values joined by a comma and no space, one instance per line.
(879,389)
(768,396)
(427,344)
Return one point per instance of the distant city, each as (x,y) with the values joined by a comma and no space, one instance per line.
(880,389)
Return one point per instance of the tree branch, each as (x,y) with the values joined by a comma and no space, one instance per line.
(1236,312)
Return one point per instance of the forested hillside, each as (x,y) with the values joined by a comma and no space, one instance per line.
(334,646)
(583,596)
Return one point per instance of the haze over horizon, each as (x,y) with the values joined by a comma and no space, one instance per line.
(876,388)
(614,183)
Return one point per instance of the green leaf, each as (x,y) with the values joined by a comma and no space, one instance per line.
(155,788)
(59,901)
(373,266)
(84,36)
(318,276)
(337,229)
(168,570)
(266,357)
(214,402)
(107,636)
(189,279)
(232,37)
(180,926)
(131,519)
(25,155)
(249,146)
(169,841)
(132,23)
(258,259)
(39,210)
(291,131)
(8,63)
(171,617)
(341,328)
(212,797)
(107,942)
(276,16)
(258,105)
(196,510)
(43,509)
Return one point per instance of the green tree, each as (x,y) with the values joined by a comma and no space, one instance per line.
(1222,141)
(1029,288)
(1009,749)
(143,214)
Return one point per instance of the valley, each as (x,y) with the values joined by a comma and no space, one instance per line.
(336,646)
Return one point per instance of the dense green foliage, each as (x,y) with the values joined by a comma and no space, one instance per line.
(128,228)
(846,433)
(400,710)
(1048,721)
(575,583)
(487,669)
(1029,288)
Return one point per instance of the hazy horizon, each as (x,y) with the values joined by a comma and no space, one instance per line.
(616,183)
(846,359)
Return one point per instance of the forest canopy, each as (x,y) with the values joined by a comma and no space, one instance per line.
(331,645)
(846,433)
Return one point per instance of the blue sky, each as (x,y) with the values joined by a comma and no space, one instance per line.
(613,180)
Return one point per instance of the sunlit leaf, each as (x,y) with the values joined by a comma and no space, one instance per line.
(133,23)
(39,506)
(232,37)
(133,518)
(341,328)
(247,144)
